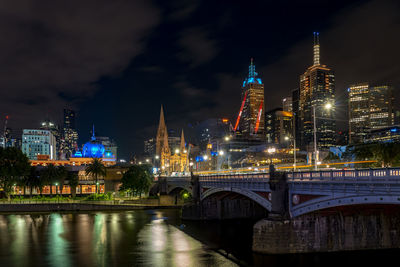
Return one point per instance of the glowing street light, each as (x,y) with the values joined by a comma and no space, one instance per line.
(205,157)
(157,157)
(227,138)
(328,106)
(147,160)
(221,152)
(176,151)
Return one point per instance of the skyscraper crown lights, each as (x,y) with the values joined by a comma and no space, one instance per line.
(252,78)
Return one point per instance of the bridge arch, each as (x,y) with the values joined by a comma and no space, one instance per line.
(173,188)
(244,192)
(329,202)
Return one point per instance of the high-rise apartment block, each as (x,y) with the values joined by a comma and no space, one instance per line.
(317,91)
(370,107)
(54,129)
(278,126)
(39,144)
(250,121)
(287,104)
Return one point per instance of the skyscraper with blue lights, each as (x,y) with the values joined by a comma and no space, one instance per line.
(250,121)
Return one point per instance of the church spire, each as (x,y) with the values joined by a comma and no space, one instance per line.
(161,133)
(182,146)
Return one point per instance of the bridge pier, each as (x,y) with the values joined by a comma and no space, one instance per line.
(322,232)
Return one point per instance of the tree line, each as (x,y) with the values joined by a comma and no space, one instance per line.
(16,170)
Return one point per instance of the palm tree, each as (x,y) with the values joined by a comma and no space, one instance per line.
(96,169)
(61,176)
(73,182)
(33,179)
(50,175)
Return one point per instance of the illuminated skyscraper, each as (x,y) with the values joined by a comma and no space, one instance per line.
(317,89)
(69,142)
(370,107)
(250,121)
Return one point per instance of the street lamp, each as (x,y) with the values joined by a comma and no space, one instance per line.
(270,151)
(327,106)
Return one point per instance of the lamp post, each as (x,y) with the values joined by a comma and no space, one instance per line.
(294,141)
(327,106)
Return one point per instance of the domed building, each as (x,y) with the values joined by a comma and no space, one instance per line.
(93,148)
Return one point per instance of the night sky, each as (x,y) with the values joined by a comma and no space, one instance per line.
(115,62)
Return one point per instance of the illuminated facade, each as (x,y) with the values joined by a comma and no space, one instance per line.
(175,160)
(38,143)
(370,107)
(278,126)
(250,121)
(54,129)
(317,88)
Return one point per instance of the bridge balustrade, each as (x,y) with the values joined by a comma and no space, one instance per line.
(388,175)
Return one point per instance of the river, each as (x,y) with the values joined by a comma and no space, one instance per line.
(143,238)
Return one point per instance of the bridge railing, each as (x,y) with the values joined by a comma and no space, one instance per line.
(235,176)
(381,174)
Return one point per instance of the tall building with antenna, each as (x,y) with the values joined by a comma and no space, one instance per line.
(69,142)
(317,90)
(250,121)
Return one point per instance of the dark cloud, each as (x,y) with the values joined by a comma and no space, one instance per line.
(361,44)
(197,46)
(52,52)
(182,9)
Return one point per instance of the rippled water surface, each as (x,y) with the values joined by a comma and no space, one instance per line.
(149,238)
(129,238)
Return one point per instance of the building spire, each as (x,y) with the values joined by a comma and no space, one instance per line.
(316,49)
(161,132)
(252,69)
(93,135)
(182,146)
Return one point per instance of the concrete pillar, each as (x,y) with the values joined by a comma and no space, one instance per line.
(279,194)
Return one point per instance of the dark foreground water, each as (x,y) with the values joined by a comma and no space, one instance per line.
(146,238)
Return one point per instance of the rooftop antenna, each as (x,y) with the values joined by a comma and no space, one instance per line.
(316,49)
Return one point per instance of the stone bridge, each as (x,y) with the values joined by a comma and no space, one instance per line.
(304,192)
(309,211)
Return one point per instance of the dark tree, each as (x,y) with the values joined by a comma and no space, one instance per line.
(13,166)
(137,180)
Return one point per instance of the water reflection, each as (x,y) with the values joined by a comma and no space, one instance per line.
(139,238)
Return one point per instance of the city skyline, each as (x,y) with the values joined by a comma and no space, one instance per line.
(279,63)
